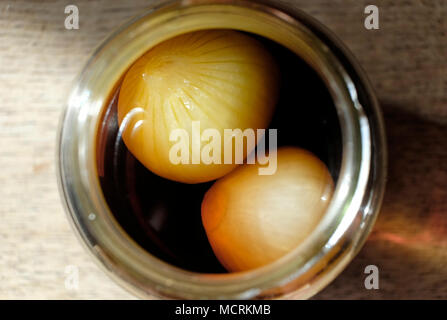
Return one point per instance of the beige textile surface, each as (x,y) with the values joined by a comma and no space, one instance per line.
(406,60)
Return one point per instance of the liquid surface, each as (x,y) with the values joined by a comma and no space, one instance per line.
(163,216)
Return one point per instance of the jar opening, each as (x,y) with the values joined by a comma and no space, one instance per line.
(163,216)
(80,154)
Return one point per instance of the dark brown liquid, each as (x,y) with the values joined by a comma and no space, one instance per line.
(164,216)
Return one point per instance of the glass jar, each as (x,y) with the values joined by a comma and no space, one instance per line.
(359,188)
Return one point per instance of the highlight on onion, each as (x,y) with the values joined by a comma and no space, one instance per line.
(252,220)
(221,79)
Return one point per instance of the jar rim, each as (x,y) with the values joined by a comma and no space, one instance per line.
(358,192)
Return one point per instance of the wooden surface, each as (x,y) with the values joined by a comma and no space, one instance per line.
(406,60)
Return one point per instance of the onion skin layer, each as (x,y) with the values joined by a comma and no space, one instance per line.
(252,220)
(222,78)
